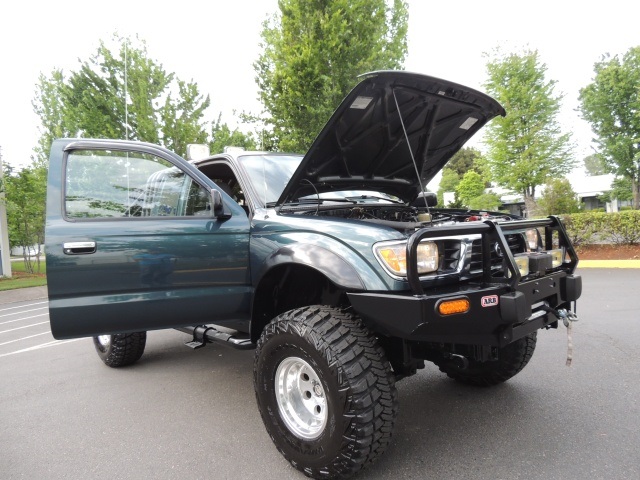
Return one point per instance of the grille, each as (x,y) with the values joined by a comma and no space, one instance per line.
(450,251)
(516,243)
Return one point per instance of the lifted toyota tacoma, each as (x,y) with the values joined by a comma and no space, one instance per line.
(336,266)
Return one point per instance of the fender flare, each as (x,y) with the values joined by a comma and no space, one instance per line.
(329,263)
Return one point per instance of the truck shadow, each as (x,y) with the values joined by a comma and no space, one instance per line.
(450,430)
(457,431)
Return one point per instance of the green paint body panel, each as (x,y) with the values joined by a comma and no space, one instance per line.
(153,273)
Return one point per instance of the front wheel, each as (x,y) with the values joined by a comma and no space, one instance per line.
(325,391)
(511,360)
(121,349)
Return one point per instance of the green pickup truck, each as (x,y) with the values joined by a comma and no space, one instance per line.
(336,266)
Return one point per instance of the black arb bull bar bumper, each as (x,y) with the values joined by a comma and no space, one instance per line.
(502,308)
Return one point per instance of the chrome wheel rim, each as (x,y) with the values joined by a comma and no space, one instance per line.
(104,341)
(301,398)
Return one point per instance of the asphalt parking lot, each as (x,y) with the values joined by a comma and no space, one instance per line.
(180,413)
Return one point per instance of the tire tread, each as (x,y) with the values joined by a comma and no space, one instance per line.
(125,349)
(363,373)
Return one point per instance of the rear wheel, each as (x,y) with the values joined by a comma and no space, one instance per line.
(325,391)
(121,349)
(511,360)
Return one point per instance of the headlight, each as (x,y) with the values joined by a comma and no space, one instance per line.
(394,257)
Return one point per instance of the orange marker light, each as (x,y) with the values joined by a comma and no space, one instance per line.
(451,307)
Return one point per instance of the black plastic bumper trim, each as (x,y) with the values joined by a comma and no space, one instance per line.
(415,318)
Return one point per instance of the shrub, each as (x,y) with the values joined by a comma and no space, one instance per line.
(584,228)
(624,227)
(597,227)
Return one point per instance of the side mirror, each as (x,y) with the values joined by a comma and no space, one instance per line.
(216,204)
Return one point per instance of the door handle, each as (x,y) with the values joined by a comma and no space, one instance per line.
(78,248)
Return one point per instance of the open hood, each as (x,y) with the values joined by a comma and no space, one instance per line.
(364,144)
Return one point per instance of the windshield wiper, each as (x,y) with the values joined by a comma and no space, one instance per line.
(314,201)
(374,197)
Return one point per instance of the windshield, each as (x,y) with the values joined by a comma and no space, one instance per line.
(269,173)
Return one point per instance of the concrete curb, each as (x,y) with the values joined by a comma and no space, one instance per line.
(23,295)
(609,263)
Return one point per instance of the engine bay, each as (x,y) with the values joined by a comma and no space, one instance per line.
(401,217)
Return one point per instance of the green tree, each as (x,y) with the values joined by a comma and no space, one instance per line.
(594,165)
(471,193)
(486,201)
(470,187)
(466,159)
(49,107)
(25,199)
(448,183)
(222,136)
(182,118)
(611,104)
(526,147)
(312,52)
(121,94)
(558,198)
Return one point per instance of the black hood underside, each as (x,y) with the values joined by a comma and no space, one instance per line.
(364,144)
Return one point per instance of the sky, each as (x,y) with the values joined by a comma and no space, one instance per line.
(215,44)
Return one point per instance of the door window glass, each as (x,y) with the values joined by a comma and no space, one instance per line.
(110,184)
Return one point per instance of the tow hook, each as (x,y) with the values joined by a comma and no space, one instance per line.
(459,361)
(567,316)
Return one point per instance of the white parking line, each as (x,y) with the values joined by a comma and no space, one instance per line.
(22,306)
(24,318)
(44,345)
(23,311)
(20,328)
(25,338)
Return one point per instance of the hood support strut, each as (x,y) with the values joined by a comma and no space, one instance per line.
(413,159)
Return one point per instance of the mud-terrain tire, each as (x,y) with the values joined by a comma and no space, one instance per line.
(325,391)
(511,360)
(121,349)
